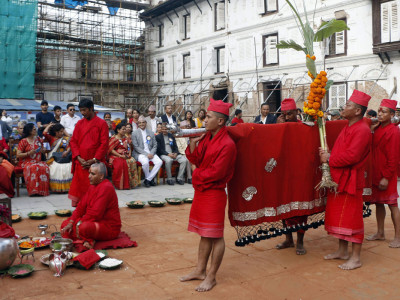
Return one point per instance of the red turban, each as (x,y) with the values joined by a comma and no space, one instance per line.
(360,98)
(389,103)
(288,104)
(219,106)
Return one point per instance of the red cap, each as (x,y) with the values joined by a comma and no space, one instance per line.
(360,98)
(288,104)
(389,103)
(219,106)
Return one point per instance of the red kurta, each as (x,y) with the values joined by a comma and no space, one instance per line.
(385,160)
(90,140)
(99,215)
(215,160)
(344,211)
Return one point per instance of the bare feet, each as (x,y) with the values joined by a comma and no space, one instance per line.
(376,237)
(206,285)
(195,275)
(337,255)
(88,245)
(351,264)
(300,249)
(395,243)
(284,245)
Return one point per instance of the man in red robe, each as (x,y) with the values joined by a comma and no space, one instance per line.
(96,217)
(289,114)
(89,144)
(344,209)
(385,160)
(213,161)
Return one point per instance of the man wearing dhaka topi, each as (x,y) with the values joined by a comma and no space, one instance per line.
(213,161)
(97,216)
(89,144)
(385,159)
(344,209)
(289,114)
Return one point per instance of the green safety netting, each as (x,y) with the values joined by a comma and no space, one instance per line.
(17,48)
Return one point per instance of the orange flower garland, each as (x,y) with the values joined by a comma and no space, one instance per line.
(317,93)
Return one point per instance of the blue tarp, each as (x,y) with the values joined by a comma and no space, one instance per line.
(70,3)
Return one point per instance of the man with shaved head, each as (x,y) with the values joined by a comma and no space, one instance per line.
(96,217)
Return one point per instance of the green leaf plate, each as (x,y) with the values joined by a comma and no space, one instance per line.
(21,270)
(156,203)
(63,212)
(40,215)
(132,204)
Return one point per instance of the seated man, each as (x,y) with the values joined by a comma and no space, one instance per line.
(168,151)
(144,151)
(96,217)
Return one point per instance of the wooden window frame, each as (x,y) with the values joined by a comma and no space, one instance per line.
(328,104)
(264,38)
(271,12)
(160,35)
(216,16)
(184,57)
(185,33)
(158,70)
(345,43)
(218,60)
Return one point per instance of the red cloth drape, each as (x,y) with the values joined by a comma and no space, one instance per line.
(90,140)
(289,189)
(120,174)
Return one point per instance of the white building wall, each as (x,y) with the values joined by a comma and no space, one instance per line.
(242,36)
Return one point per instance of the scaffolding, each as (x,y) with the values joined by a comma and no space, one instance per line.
(95,50)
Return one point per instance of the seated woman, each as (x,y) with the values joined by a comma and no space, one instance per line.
(189,118)
(124,175)
(29,153)
(59,158)
(6,169)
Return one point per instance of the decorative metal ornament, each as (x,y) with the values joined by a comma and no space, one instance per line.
(271,164)
(249,193)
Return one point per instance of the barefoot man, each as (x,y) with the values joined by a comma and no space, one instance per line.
(289,114)
(385,160)
(213,161)
(344,210)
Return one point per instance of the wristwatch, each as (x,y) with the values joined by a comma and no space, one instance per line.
(95,160)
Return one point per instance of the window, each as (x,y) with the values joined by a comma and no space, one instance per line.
(337,96)
(219,60)
(265,7)
(186,27)
(219,15)
(160,70)
(336,44)
(131,102)
(390,27)
(270,52)
(187,102)
(160,104)
(82,97)
(39,96)
(186,66)
(160,35)
(130,72)
(86,69)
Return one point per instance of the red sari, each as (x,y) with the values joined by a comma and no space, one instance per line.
(124,175)
(215,162)
(96,217)
(344,210)
(385,161)
(36,172)
(90,140)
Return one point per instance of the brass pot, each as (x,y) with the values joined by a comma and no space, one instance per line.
(8,252)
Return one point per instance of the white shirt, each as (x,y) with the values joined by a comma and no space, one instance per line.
(263,120)
(69,123)
(145,143)
(170,120)
(8,120)
(153,125)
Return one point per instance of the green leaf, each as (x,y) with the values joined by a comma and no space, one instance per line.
(290,44)
(311,66)
(327,29)
(309,38)
(328,84)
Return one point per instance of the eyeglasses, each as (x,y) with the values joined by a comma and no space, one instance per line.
(71,109)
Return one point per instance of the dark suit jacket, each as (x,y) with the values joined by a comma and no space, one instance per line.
(161,144)
(5,130)
(164,118)
(271,119)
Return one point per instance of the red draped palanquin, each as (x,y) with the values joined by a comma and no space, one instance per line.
(344,210)
(124,175)
(90,140)
(97,216)
(36,172)
(385,161)
(214,158)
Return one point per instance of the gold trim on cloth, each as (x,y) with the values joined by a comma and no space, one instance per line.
(367,192)
(272,212)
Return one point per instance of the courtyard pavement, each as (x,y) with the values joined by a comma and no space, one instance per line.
(166,251)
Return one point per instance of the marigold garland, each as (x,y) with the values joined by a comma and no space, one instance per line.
(317,92)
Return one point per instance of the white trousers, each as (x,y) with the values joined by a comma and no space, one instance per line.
(144,160)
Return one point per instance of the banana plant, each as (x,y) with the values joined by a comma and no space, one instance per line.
(325,30)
